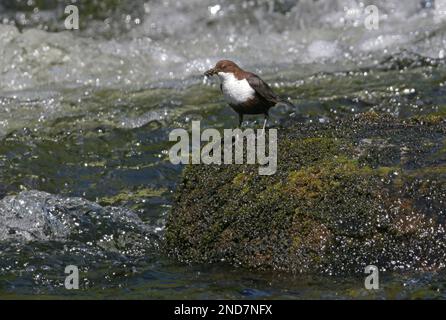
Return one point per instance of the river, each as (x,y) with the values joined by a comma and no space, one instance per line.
(85,117)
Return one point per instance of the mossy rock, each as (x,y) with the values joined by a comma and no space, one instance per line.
(361,191)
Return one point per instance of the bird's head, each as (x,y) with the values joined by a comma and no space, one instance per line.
(223,66)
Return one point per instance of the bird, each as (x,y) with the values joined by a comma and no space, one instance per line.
(245,91)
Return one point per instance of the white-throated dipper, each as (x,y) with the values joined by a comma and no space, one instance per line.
(245,92)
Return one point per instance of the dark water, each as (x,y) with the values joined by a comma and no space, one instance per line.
(86,115)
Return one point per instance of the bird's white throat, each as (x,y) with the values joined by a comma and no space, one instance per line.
(235,91)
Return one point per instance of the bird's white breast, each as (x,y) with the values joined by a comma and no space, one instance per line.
(235,91)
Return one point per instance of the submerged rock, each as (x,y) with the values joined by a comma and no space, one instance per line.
(367,190)
(34,216)
(41,234)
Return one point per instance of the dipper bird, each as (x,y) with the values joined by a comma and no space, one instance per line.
(245,92)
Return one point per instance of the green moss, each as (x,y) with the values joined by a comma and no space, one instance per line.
(312,181)
(240,179)
(385,171)
(429,119)
(126,196)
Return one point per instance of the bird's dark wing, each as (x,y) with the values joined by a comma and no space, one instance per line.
(262,88)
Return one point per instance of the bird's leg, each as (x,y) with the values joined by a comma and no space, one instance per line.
(264,123)
(240,119)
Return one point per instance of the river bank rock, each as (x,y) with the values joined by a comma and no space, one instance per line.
(361,191)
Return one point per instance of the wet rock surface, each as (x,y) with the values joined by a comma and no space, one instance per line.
(34,216)
(41,234)
(347,194)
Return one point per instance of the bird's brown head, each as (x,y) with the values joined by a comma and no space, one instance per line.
(226,66)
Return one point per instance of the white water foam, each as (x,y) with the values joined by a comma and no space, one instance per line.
(178,41)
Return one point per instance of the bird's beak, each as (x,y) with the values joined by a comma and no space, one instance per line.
(210,72)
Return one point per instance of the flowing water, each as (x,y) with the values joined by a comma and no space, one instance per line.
(85,116)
